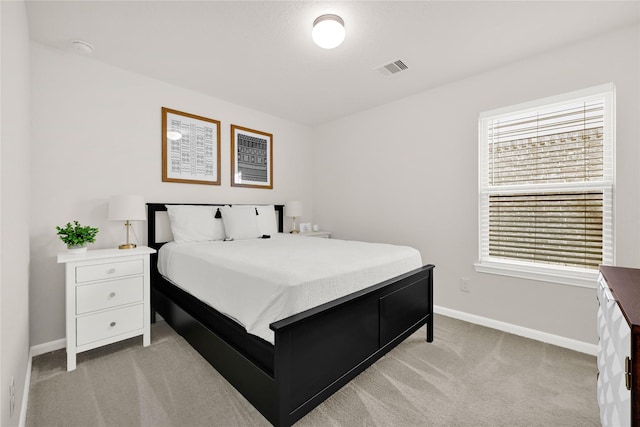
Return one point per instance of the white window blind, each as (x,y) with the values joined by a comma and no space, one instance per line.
(546,183)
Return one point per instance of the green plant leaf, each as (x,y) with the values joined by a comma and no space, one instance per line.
(76,234)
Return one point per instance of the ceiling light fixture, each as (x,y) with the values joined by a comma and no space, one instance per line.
(82,47)
(328,31)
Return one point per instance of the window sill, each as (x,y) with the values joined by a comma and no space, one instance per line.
(562,275)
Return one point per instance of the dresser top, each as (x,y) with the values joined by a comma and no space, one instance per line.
(64,257)
(625,284)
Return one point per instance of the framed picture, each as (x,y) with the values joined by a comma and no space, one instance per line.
(190,148)
(251,158)
(305,227)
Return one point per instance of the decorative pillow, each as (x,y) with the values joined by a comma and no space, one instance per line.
(240,222)
(267,223)
(190,223)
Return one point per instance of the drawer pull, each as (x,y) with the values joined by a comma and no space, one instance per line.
(111,271)
(112,324)
(112,294)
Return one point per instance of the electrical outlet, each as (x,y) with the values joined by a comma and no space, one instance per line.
(12,396)
(464,285)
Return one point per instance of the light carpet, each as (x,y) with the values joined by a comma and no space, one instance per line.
(469,376)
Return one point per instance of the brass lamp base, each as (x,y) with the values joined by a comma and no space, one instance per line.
(294,232)
(128,245)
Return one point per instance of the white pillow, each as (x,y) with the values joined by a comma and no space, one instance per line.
(267,223)
(191,223)
(240,222)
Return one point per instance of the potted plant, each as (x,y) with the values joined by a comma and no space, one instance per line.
(76,237)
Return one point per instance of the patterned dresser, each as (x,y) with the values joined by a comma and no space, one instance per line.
(618,385)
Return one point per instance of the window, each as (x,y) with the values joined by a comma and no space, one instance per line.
(546,187)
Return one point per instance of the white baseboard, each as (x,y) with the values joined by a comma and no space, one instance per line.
(36,350)
(46,347)
(25,395)
(533,334)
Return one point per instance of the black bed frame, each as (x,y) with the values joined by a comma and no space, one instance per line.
(316,352)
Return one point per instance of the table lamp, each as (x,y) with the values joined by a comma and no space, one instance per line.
(127,208)
(293,210)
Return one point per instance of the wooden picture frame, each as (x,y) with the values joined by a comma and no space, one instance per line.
(251,158)
(192,154)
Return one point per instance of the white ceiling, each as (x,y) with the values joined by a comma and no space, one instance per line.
(260,54)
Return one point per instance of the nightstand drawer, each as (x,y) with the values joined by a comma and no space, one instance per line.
(98,296)
(96,327)
(109,270)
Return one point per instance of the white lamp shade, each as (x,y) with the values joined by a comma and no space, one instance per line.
(293,209)
(328,31)
(127,208)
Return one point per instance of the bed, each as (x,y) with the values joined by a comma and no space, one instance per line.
(313,353)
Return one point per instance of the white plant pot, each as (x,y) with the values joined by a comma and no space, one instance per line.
(77,250)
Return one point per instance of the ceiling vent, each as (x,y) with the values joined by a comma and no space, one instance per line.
(392,68)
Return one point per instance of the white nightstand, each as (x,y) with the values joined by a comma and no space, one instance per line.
(107,298)
(322,234)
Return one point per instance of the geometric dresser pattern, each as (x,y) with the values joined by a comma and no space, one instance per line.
(614,346)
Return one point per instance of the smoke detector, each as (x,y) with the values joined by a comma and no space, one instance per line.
(82,47)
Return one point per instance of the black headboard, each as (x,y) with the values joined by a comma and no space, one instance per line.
(152,208)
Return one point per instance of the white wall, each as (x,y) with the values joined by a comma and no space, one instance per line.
(96,132)
(407,173)
(403,173)
(14,206)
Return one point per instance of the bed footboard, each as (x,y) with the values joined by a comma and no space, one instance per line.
(316,352)
(322,349)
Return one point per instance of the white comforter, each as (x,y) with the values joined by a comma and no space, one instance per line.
(259,281)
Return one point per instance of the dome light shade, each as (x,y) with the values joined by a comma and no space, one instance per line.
(82,46)
(328,31)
